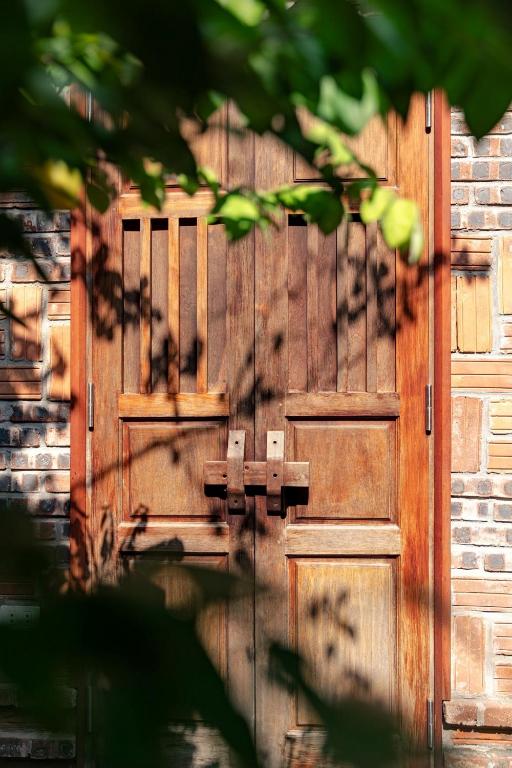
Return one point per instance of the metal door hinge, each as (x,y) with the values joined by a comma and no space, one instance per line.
(430,724)
(90,405)
(428,409)
(428,112)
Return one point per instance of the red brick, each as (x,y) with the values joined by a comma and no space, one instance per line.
(457,712)
(466,429)
(497,714)
(469,654)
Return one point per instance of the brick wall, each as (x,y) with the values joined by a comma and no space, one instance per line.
(479,717)
(34,422)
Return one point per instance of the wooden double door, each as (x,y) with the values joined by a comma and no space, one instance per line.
(315,344)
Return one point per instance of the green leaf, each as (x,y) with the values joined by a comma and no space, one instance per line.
(330,142)
(188,185)
(398,222)
(347,113)
(238,213)
(374,207)
(237,206)
(416,243)
(249,12)
(321,206)
(98,197)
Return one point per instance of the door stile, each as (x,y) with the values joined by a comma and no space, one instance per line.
(240,373)
(273,162)
(412,367)
(106,345)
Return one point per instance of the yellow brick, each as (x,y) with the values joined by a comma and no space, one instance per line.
(500,457)
(454,313)
(505,275)
(59,385)
(500,412)
(26,323)
(473,314)
(482,374)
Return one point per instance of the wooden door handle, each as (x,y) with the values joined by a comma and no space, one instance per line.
(235,471)
(272,475)
(275,470)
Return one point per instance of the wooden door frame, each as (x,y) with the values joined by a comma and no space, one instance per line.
(442,406)
(442,415)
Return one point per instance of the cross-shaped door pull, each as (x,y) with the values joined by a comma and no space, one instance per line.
(274,474)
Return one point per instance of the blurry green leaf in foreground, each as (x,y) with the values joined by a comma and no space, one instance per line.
(399,220)
(345,112)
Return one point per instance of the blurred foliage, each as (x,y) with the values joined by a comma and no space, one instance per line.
(150,65)
(146,665)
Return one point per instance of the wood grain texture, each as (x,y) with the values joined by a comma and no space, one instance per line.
(289,317)
(78,566)
(412,373)
(131,307)
(342,404)
(188,344)
(171,406)
(145,307)
(339,540)
(295,473)
(442,415)
(353,468)
(173,308)
(343,616)
(202,306)
(162,469)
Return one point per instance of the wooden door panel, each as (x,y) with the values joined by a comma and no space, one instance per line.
(163,469)
(376,146)
(174,305)
(360,455)
(341,309)
(344,626)
(347,381)
(181,592)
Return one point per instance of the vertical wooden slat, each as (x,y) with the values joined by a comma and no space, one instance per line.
(217,281)
(386,310)
(297,304)
(342,305)
(312,278)
(159,305)
(145,307)
(372,326)
(173,308)
(356,289)
(202,305)
(188,305)
(131,306)
(326,284)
